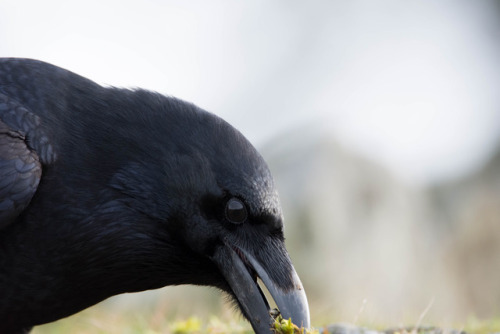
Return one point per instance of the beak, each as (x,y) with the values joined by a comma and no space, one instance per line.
(241,269)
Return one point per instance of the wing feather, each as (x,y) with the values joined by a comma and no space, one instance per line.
(20,166)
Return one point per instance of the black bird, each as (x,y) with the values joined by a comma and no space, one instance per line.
(106,190)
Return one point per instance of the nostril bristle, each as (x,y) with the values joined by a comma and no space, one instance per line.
(245,261)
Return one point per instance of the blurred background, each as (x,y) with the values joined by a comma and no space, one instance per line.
(380,121)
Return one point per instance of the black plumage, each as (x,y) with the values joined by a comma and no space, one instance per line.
(107,190)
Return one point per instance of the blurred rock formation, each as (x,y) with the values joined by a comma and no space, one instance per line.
(369,246)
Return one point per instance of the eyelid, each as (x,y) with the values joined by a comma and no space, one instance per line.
(239,214)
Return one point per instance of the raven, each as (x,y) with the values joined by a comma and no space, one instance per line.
(106,190)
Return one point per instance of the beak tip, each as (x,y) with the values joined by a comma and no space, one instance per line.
(296,305)
(290,299)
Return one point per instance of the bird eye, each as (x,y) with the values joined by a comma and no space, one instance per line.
(236,211)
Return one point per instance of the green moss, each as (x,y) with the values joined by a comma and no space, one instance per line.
(284,326)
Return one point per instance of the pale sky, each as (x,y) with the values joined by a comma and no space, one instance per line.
(412,85)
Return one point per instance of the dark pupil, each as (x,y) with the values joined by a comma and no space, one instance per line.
(235,211)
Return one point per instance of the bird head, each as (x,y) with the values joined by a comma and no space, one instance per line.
(225,211)
(216,198)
